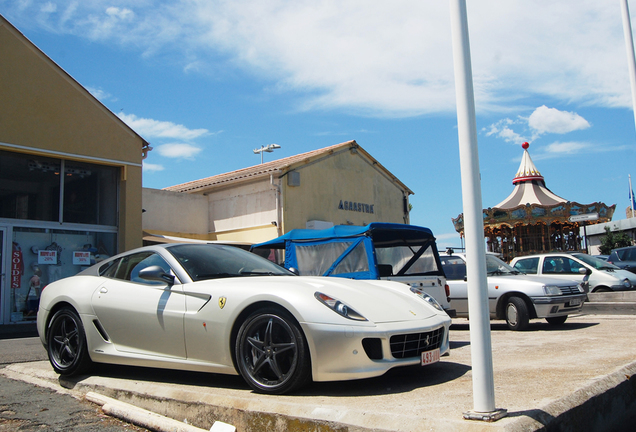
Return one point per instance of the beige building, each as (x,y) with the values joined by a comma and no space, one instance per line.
(336,185)
(70,177)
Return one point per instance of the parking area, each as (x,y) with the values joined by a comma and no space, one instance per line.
(548,375)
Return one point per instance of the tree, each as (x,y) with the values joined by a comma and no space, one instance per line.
(613,240)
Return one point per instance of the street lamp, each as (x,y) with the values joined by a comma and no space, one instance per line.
(268,148)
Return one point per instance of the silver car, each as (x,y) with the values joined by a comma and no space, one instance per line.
(513,296)
(604,277)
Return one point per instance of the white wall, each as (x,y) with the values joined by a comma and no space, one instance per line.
(180,212)
(242,206)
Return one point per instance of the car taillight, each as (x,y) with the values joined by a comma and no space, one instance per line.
(447,289)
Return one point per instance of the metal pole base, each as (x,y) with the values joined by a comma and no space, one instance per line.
(486,416)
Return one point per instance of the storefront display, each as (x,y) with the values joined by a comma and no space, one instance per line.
(57,217)
(42,256)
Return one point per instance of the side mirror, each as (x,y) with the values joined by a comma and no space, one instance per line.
(294,270)
(156,274)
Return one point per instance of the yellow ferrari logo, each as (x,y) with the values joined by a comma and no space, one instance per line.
(222,301)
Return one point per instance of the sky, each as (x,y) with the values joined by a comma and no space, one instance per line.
(206,82)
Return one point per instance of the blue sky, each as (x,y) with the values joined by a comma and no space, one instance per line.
(206,82)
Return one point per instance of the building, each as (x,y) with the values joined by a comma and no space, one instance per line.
(70,177)
(533,219)
(337,185)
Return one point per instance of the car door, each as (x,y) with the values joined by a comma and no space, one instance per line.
(562,267)
(141,316)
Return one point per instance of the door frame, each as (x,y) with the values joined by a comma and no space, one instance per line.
(5,263)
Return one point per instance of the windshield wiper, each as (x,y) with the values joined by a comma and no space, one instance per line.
(496,272)
(260,273)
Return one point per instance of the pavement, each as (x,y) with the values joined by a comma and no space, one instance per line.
(578,376)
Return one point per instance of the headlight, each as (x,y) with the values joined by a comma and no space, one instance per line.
(627,283)
(551,290)
(338,307)
(427,298)
(581,287)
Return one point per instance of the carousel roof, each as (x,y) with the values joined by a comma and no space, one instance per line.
(531,203)
(530,186)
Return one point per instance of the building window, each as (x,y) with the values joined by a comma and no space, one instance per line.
(32,187)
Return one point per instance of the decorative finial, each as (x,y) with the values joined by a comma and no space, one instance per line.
(525,145)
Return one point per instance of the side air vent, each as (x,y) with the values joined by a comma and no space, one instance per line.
(101,330)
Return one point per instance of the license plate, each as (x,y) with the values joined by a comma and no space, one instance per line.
(575,302)
(429,357)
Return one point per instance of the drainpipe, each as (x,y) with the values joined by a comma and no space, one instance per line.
(276,187)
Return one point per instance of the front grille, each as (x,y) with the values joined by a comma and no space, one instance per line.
(414,344)
(570,290)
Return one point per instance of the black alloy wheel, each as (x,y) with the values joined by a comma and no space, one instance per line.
(271,352)
(66,343)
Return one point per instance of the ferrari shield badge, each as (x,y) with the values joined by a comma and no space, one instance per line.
(222,301)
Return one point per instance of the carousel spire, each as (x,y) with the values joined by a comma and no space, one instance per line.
(530,186)
(527,169)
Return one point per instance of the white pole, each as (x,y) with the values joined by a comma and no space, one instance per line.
(631,61)
(480,341)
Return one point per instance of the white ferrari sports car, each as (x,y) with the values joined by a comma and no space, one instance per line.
(212,308)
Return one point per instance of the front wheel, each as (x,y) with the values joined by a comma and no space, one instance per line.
(271,352)
(557,320)
(517,316)
(66,343)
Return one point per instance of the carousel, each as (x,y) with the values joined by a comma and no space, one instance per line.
(533,219)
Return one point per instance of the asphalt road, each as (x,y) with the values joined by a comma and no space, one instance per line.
(25,407)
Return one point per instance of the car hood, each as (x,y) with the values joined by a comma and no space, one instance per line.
(377,301)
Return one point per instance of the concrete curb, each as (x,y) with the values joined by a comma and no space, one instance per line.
(139,416)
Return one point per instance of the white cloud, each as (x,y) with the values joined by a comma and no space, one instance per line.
(120,14)
(148,167)
(565,149)
(150,128)
(503,130)
(178,150)
(551,120)
(376,57)
(99,93)
(48,7)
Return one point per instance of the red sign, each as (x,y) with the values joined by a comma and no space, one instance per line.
(17,267)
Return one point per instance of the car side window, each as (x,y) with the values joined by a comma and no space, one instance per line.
(528,265)
(454,267)
(574,266)
(128,267)
(550,265)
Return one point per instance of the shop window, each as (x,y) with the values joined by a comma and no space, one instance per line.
(90,194)
(41,256)
(31,188)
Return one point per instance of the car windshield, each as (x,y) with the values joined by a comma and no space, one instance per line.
(495,266)
(597,263)
(206,261)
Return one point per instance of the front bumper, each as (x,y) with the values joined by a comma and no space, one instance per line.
(338,352)
(547,307)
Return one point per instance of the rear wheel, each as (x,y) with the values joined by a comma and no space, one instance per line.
(271,352)
(517,316)
(557,320)
(66,343)
(602,290)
